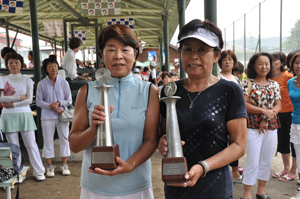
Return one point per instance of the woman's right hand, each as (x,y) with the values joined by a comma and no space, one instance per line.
(162,145)
(98,117)
(269,113)
(23,97)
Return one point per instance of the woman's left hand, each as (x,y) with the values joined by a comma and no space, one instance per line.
(59,110)
(263,127)
(123,167)
(192,176)
(7,104)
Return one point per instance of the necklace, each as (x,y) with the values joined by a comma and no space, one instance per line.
(296,82)
(191,105)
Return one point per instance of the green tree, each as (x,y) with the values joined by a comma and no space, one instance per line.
(293,41)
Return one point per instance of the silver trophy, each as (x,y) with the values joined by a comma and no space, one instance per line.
(105,152)
(174,165)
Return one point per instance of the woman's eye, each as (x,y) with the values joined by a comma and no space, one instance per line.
(111,50)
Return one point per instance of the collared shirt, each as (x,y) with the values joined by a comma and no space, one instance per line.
(47,93)
(69,64)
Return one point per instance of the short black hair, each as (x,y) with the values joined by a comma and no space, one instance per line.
(13,55)
(46,62)
(75,42)
(30,53)
(52,57)
(282,57)
(6,50)
(251,73)
(224,55)
(289,57)
(293,61)
(146,69)
(239,68)
(194,25)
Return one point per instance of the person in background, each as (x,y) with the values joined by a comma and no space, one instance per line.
(282,76)
(263,102)
(294,95)
(177,69)
(5,51)
(136,73)
(53,95)
(227,62)
(238,71)
(134,120)
(288,59)
(144,74)
(30,58)
(174,77)
(79,64)
(152,77)
(69,64)
(211,113)
(140,69)
(165,78)
(16,114)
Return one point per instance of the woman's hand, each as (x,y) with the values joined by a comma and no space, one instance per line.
(263,127)
(123,167)
(54,105)
(7,105)
(192,176)
(162,145)
(98,117)
(88,78)
(23,97)
(59,110)
(269,113)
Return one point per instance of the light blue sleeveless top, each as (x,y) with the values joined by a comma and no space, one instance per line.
(129,98)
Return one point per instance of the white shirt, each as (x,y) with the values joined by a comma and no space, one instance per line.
(69,64)
(153,73)
(136,76)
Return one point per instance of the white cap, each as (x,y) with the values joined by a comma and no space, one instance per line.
(204,35)
(136,70)
(152,64)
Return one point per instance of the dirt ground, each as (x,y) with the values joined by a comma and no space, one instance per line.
(67,187)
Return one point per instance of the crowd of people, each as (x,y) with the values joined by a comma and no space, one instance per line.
(220,118)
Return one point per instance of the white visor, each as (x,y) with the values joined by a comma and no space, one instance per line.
(204,35)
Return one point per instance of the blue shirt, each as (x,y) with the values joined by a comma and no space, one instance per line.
(47,93)
(294,94)
(129,98)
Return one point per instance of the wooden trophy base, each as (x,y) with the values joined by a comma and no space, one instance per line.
(174,169)
(104,157)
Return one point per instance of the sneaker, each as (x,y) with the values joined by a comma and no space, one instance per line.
(65,170)
(40,177)
(50,171)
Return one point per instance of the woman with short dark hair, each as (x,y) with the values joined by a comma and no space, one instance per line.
(227,62)
(284,146)
(16,114)
(53,95)
(263,102)
(134,120)
(211,113)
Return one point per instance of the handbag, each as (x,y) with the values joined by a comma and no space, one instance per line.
(67,114)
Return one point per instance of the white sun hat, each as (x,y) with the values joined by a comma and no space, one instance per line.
(204,35)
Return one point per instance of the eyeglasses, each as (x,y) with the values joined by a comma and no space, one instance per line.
(200,51)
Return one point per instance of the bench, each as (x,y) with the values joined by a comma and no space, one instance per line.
(6,162)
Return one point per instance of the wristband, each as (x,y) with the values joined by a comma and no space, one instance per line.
(13,105)
(205,167)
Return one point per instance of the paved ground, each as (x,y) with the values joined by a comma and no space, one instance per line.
(61,187)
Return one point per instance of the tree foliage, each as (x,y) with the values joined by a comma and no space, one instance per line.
(293,41)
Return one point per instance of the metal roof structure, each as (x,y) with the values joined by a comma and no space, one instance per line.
(147,16)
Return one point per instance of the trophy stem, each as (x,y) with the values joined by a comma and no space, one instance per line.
(104,131)
(172,128)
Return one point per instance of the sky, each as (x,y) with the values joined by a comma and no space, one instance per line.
(232,10)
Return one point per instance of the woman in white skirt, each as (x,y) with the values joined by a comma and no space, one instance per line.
(294,94)
(16,113)
(263,102)
(53,94)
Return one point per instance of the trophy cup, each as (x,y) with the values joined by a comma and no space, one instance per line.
(105,152)
(174,165)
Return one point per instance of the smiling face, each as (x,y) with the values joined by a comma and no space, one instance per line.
(118,58)
(276,64)
(262,66)
(227,63)
(296,66)
(14,66)
(198,65)
(52,69)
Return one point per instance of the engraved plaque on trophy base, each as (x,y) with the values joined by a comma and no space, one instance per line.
(104,157)
(174,169)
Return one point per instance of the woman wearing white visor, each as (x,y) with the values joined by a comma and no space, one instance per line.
(211,113)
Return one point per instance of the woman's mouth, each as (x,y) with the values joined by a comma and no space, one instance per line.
(193,65)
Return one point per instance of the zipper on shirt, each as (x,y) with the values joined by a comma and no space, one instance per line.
(119,99)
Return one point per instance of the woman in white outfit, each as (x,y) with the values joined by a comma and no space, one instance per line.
(16,113)
(53,94)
